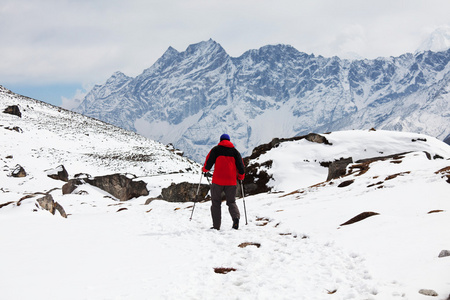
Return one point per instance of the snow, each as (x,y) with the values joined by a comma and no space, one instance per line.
(153,251)
(439,40)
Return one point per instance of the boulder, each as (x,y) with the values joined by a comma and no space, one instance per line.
(256,180)
(346,183)
(59,173)
(317,138)
(19,171)
(71,186)
(49,204)
(428,292)
(13,110)
(444,253)
(118,185)
(184,192)
(338,168)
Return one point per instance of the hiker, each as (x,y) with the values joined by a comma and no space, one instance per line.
(229,166)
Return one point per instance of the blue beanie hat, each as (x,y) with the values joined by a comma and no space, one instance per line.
(224,137)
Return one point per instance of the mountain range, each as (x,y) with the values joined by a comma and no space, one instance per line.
(190,98)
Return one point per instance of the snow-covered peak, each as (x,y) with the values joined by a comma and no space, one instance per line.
(439,40)
(209,47)
(117,77)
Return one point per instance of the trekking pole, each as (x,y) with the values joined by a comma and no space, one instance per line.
(243,199)
(196,195)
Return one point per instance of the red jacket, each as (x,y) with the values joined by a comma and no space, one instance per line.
(228,161)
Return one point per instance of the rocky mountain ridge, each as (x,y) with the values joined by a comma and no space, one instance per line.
(189,98)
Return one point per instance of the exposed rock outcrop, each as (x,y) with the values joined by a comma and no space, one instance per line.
(19,171)
(51,205)
(59,173)
(120,186)
(360,217)
(13,110)
(338,168)
(428,292)
(256,177)
(184,192)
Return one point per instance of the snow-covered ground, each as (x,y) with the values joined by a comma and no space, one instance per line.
(153,251)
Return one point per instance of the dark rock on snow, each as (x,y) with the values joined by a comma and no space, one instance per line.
(118,185)
(338,168)
(13,110)
(256,180)
(444,253)
(15,128)
(427,292)
(346,183)
(19,171)
(49,204)
(71,186)
(184,192)
(360,217)
(59,173)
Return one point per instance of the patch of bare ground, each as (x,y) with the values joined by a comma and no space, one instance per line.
(262,221)
(6,204)
(360,217)
(445,173)
(396,175)
(346,183)
(246,244)
(222,270)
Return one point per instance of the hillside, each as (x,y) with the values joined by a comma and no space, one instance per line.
(45,137)
(296,244)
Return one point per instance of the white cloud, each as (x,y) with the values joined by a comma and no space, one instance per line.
(75,101)
(86,41)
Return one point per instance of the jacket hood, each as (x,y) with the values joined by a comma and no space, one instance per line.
(226,143)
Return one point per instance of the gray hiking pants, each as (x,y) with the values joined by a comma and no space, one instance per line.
(216,199)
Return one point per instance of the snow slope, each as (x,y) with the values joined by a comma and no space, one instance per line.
(107,249)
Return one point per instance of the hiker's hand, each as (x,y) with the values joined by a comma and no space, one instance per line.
(207,174)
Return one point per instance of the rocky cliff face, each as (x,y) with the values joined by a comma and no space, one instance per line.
(190,98)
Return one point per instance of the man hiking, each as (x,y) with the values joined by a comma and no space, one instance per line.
(228,166)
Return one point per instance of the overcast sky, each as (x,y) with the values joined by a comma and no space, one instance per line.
(53,48)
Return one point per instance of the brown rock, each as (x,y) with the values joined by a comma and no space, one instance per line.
(224,270)
(13,110)
(360,217)
(19,171)
(428,292)
(346,183)
(444,253)
(184,192)
(47,203)
(71,186)
(246,244)
(118,185)
(59,173)
(338,168)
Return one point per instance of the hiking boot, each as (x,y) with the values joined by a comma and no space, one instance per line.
(235,223)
